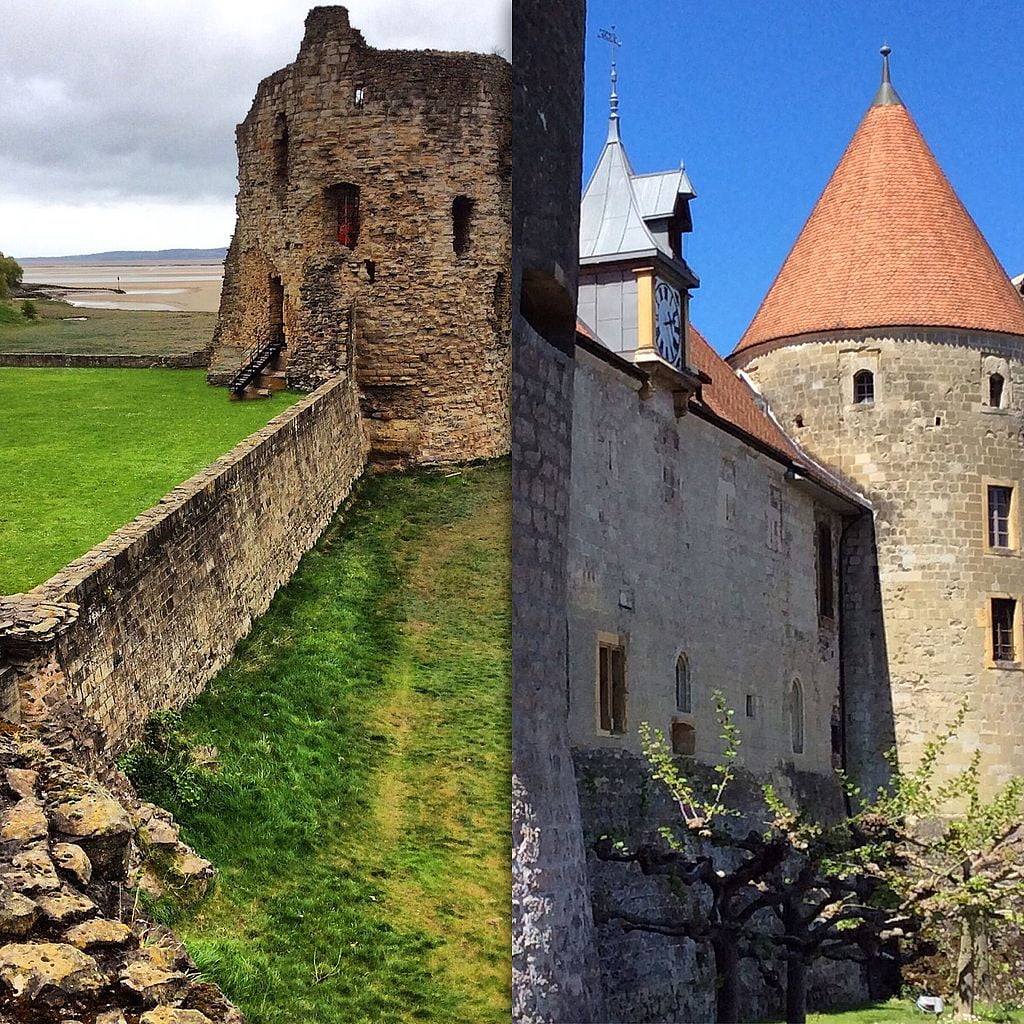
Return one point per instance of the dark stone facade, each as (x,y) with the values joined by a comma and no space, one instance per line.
(554,967)
(415,301)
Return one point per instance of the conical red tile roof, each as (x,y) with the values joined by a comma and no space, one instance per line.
(888,244)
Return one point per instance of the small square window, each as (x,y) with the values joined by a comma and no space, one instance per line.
(684,739)
(611,687)
(1003,614)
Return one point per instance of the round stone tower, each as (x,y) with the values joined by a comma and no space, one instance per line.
(891,346)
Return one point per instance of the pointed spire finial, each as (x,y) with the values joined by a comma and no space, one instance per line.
(886,95)
(611,38)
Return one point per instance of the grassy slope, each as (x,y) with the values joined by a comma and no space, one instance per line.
(84,451)
(106,330)
(360,812)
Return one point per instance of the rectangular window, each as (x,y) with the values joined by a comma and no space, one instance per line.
(751,706)
(826,587)
(343,213)
(1000,500)
(1003,612)
(611,696)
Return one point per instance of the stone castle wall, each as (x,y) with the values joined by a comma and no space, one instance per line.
(162,602)
(555,975)
(423,327)
(185,361)
(684,540)
(657,978)
(923,452)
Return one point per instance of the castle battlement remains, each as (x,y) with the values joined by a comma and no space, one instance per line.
(373,238)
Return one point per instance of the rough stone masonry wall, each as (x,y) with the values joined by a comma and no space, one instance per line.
(658,978)
(923,452)
(186,361)
(163,601)
(554,966)
(430,327)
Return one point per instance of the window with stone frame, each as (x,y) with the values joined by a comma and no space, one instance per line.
(1003,613)
(342,202)
(611,687)
(1000,512)
(995,390)
(863,387)
(825,572)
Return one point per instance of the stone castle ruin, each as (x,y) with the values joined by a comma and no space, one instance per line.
(373,240)
(370,266)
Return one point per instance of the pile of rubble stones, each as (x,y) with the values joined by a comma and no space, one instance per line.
(74,944)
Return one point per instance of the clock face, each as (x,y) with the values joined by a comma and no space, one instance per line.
(668,322)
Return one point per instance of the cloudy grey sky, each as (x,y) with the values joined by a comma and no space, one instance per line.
(117,117)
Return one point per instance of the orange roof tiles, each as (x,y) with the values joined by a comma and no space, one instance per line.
(731,399)
(888,244)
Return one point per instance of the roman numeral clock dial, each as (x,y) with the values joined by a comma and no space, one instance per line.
(668,322)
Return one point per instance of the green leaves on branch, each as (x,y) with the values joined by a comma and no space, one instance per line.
(698,810)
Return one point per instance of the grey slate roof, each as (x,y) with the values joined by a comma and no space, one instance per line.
(617,202)
(610,219)
(657,194)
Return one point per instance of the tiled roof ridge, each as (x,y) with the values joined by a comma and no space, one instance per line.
(888,243)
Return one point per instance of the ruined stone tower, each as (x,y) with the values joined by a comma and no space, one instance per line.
(373,237)
(891,346)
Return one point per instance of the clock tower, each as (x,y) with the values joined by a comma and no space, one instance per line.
(634,290)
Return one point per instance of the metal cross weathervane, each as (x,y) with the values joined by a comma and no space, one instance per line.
(609,36)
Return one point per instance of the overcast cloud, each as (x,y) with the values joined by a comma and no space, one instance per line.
(117,118)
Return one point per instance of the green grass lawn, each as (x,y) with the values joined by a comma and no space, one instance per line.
(902,1011)
(360,810)
(112,331)
(84,451)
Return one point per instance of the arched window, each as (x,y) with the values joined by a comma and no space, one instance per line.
(796,717)
(684,695)
(863,387)
(995,390)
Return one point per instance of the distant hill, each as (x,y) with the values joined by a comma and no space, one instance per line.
(126,256)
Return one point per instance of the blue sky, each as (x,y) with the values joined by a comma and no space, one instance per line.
(760,99)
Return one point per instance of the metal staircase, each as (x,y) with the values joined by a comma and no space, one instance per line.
(254,362)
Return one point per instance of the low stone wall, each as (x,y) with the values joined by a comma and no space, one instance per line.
(162,602)
(184,361)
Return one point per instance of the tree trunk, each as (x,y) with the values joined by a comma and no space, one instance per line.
(966,971)
(727,963)
(796,991)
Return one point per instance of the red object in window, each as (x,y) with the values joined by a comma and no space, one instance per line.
(348,217)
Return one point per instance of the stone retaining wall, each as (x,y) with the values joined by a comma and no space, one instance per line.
(184,361)
(162,602)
